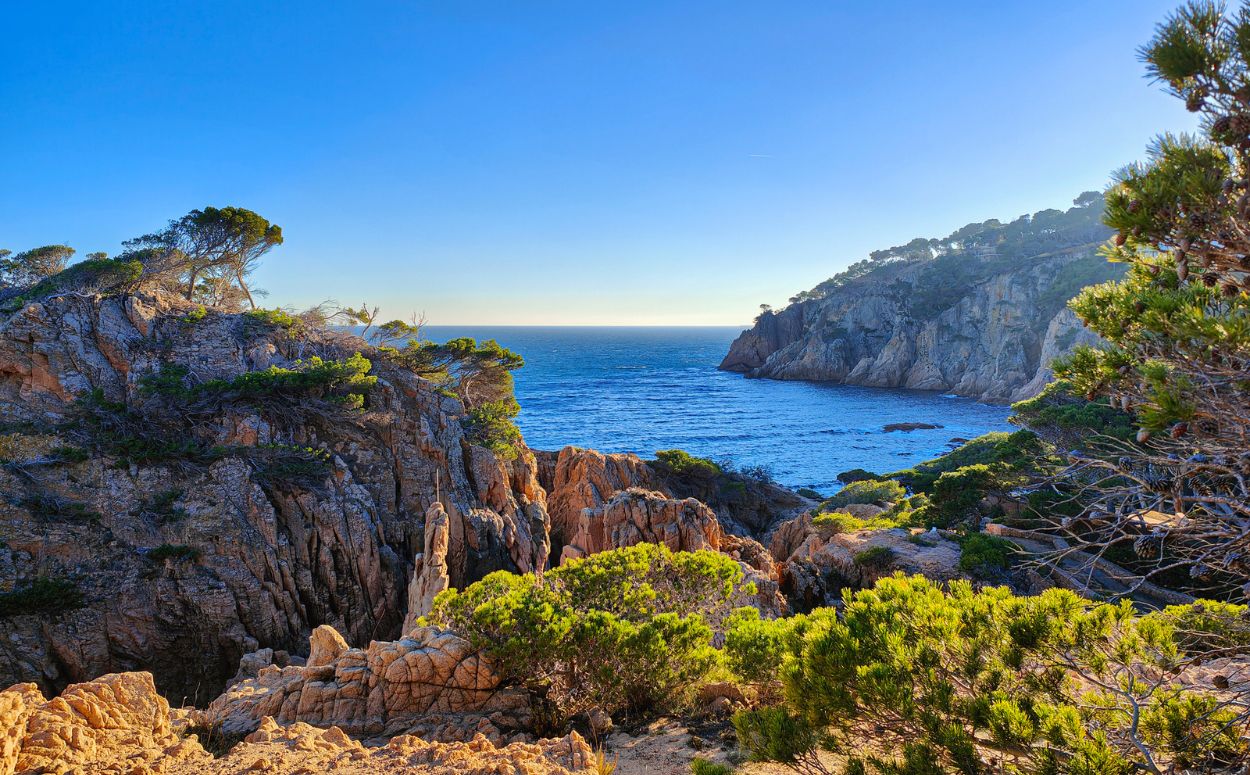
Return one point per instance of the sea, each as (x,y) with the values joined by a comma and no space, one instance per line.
(643,389)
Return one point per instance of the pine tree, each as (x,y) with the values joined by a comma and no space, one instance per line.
(1178,326)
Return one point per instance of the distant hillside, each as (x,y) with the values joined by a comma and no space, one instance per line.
(980,313)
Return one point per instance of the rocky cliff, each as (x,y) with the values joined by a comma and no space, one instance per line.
(980,313)
(179,558)
(264,515)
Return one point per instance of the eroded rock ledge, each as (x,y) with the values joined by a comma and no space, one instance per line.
(118,725)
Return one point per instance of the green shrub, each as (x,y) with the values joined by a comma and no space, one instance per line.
(956,495)
(1017,452)
(195,315)
(342,381)
(261,319)
(857,475)
(1069,420)
(491,425)
(1198,732)
(810,494)
(1207,626)
(175,552)
(834,522)
(755,648)
(982,555)
(774,734)
(875,558)
(701,766)
(44,595)
(866,491)
(625,631)
(952,679)
(95,275)
(681,463)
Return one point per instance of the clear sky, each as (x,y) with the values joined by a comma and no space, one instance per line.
(565,162)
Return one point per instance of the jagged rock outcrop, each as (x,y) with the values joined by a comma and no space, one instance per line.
(638,516)
(431,680)
(429,575)
(979,314)
(116,723)
(576,479)
(814,566)
(119,725)
(250,559)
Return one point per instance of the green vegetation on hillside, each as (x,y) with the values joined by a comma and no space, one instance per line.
(43,595)
(979,250)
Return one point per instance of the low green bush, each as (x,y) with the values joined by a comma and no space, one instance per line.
(701,766)
(1070,420)
(340,381)
(983,555)
(834,522)
(261,319)
(681,463)
(955,679)
(492,425)
(627,631)
(44,595)
(94,275)
(1017,452)
(865,491)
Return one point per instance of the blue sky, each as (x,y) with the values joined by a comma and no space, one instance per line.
(565,162)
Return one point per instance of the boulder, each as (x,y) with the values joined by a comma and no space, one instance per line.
(429,676)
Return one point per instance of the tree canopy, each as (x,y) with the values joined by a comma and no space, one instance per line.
(22,270)
(212,251)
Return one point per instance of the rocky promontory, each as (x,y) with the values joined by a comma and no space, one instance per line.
(981,313)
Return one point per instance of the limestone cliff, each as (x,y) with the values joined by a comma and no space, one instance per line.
(980,313)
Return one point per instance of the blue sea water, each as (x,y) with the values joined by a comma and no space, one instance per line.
(645,389)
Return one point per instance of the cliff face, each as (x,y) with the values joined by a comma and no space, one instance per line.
(956,315)
(178,564)
(184,567)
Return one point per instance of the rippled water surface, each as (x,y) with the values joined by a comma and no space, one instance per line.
(644,389)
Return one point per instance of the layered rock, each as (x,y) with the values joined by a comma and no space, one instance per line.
(638,516)
(116,723)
